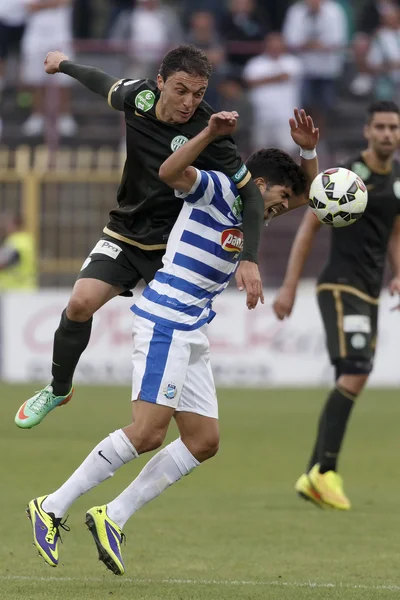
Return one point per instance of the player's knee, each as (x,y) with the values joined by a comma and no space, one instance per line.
(212,446)
(353,383)
(81,307)
(145,439)
(204,447)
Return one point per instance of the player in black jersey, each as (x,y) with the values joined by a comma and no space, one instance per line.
(160,117)
(348,294)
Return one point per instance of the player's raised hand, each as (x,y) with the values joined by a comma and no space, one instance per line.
(223,123)
(283,303)
(302,130)
(248,278)
(394,289)
(53,60)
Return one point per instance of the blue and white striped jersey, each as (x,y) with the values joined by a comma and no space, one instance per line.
(201,256)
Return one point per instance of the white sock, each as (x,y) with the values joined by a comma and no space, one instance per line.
(165,468)
(108,456)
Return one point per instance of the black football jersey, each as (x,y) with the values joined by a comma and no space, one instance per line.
(147,208)
(358,252)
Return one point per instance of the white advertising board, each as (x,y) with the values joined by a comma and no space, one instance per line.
(249,348)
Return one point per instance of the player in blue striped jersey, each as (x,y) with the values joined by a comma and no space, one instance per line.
(172,374)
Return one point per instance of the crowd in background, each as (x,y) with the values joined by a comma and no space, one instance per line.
(267,56)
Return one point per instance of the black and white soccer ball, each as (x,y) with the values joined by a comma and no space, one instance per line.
(338,197)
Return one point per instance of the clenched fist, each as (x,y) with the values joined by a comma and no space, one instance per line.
(53,60)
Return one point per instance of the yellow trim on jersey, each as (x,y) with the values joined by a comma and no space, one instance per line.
(339,312)
(347,289)
(122,238)
(244,181)
(112,88)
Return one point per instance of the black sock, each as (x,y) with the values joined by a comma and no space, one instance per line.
(70,340)
(331,429)
(314,455)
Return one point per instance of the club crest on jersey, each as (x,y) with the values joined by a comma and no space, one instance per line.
(232,240)
(177,142)
(361,170)
(396,188)
(170,391)
(145,100)
(237,207)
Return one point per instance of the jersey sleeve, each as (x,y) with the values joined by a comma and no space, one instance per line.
(202,190)
(121,90)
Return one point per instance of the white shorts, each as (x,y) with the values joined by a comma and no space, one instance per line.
(172,367)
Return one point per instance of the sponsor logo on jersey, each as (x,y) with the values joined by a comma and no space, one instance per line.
(106,247)
(361,170)
(239,175)
(177,142)
(396,188)
(145,100)
(237,207)
(356,324)
(232,240)
(170,391)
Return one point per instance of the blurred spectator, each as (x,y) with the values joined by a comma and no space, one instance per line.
(12,25)
(368,23)
(151,28)
(217,8)
(274,13)
(316,31)
(18,268)
(274,80)
(202,33)
(371,13)
(116,8)
(47,29)
(242,28)
(232,96)
(82,19)
(384,56)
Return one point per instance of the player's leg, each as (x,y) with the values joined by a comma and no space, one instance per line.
(160,359)
(197,413)
(350,332)
(106,273)
(187,385)
(188,388)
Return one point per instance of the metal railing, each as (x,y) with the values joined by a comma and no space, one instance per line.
(66,207)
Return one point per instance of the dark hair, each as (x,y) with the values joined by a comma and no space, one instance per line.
(380,106)
(277,168)
(186,58)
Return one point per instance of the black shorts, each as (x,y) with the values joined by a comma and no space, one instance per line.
(350,320)
(121,264)
(10,39)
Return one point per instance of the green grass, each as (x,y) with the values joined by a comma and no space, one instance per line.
(234,528)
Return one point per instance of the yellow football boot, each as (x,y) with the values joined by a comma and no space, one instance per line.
(329,486)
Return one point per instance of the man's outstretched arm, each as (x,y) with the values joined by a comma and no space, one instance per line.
(94,79)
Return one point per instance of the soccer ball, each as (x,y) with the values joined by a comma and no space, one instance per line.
(338,197)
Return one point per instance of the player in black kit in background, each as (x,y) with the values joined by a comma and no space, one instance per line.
(160,117)
(348,295)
